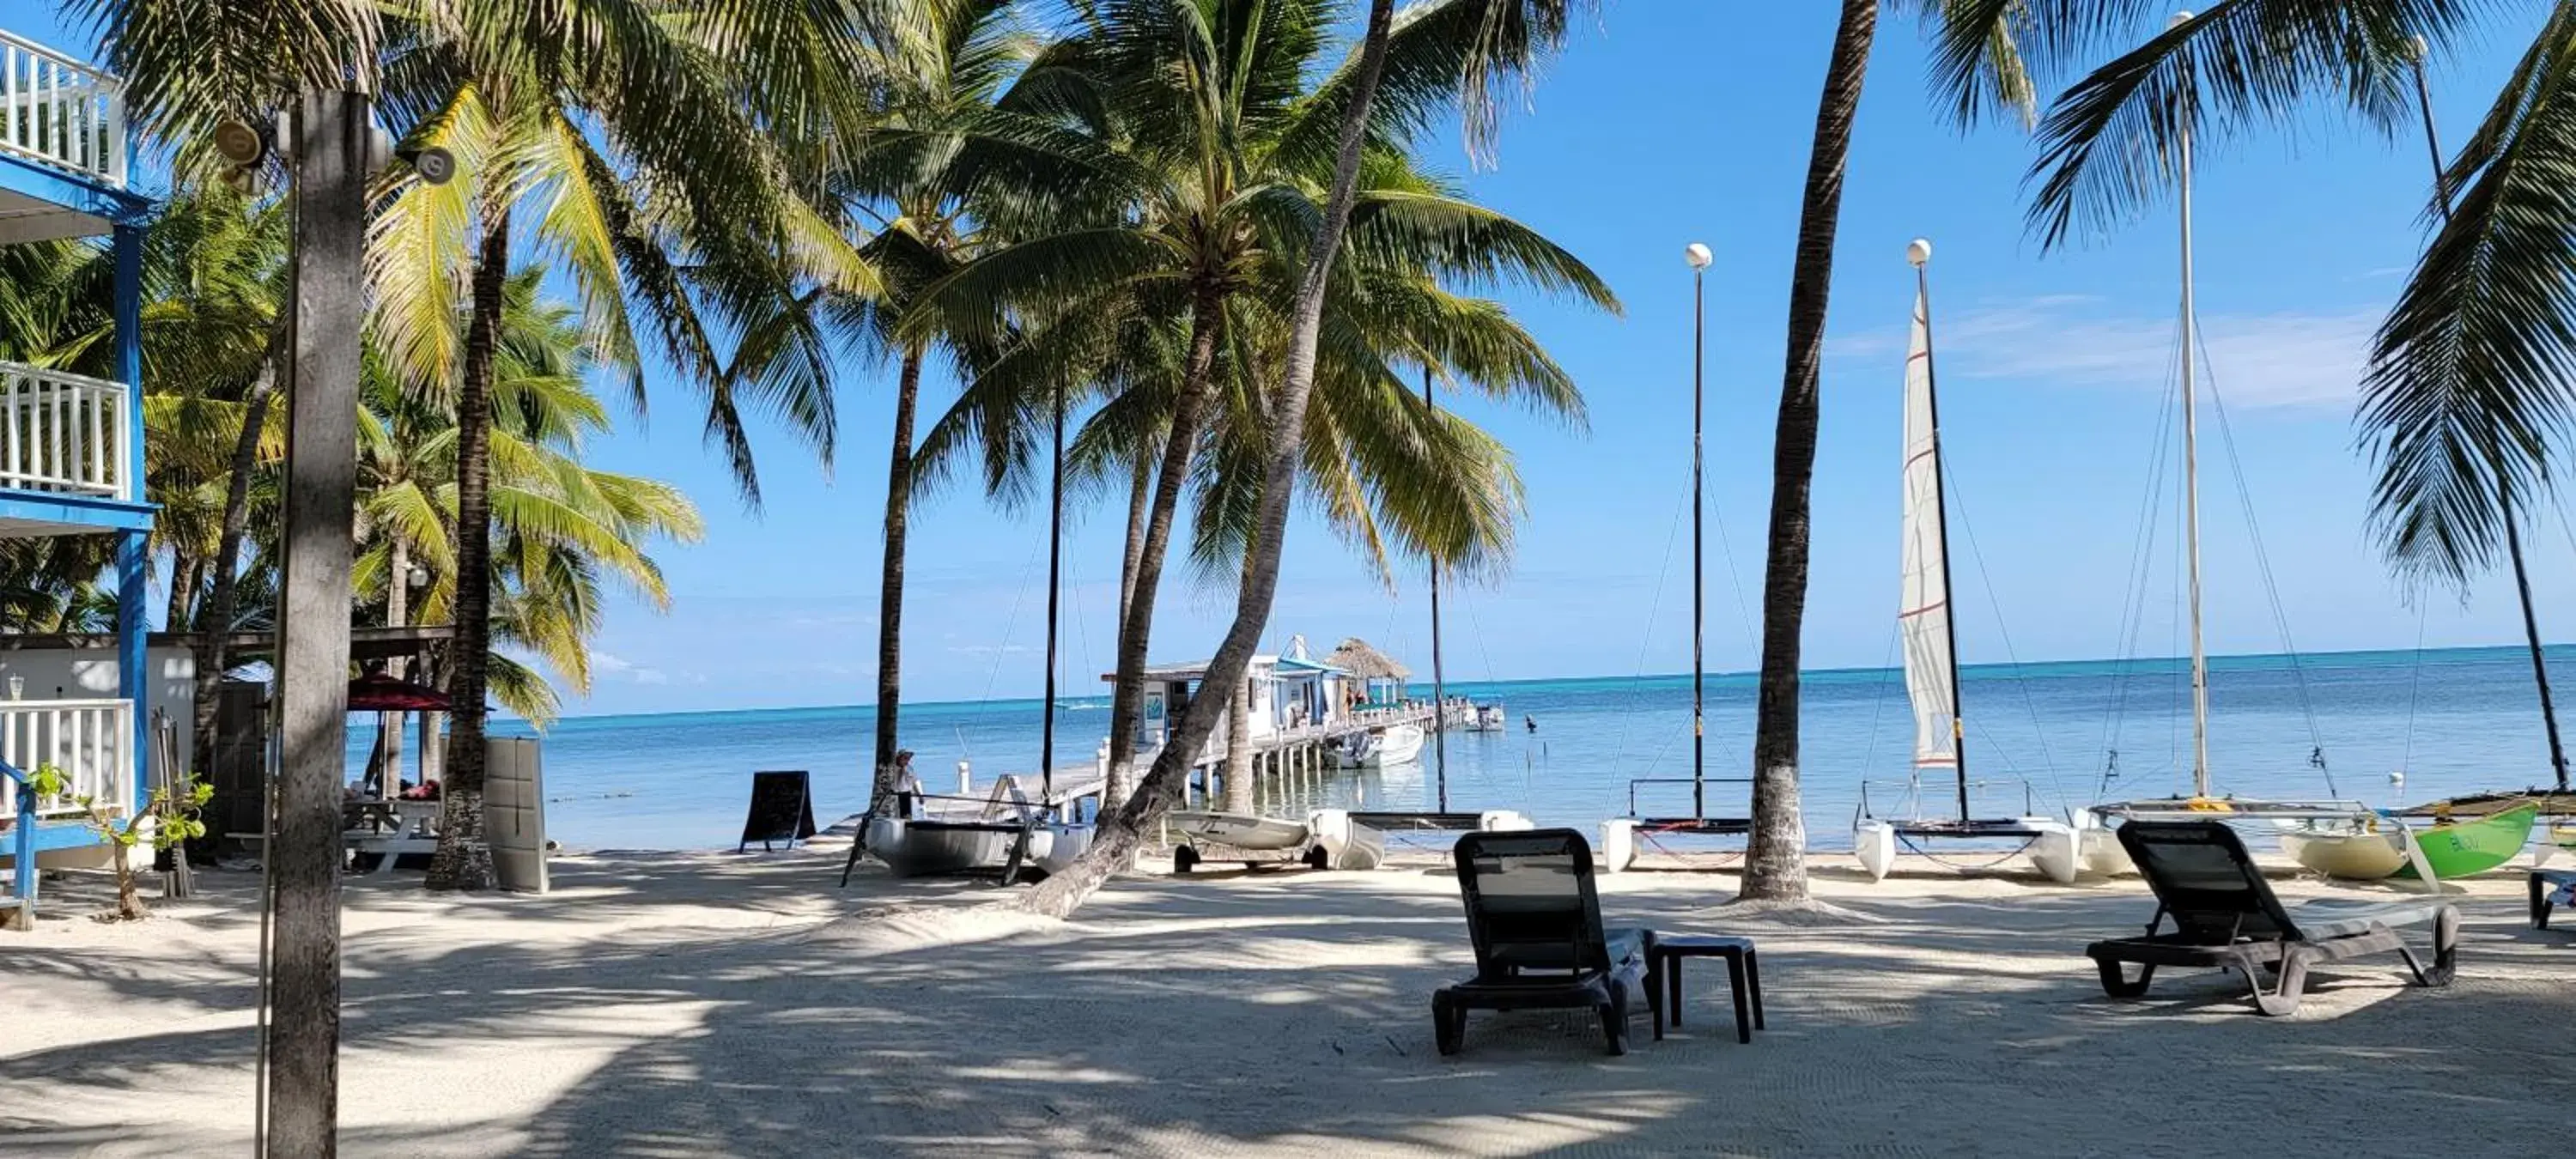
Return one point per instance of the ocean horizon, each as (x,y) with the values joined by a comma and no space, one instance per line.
(2043,737)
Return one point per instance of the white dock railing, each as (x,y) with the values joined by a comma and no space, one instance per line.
(63,433)
(56,110)
(91,741)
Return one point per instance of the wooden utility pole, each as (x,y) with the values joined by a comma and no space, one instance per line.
(329,133)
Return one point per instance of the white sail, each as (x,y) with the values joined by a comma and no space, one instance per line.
(1923,616)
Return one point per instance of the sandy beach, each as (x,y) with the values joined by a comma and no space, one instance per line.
(711,1004)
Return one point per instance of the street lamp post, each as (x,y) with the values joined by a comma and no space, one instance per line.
(1699,258)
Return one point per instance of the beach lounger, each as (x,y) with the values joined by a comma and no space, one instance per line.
(2225,916)
(2550,888)
(1536,924)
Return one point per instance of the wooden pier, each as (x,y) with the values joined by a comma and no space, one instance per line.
(1285,764)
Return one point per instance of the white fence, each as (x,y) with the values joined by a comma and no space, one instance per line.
(62,432)
(91,741)
(59,111)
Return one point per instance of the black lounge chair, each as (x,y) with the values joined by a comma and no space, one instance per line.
(1536,922)
(2225,916)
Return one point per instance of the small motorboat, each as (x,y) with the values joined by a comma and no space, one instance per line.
(1393,745)
(1490,718)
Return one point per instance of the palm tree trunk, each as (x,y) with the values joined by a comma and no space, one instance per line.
(463,861)
(1115,844)
(1136,620)
(215,620)
(185,569)
(1238,752)
(1140,495)
(389,725)
(898,507)
(1775,860)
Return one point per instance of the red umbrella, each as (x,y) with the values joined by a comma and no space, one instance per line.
(377,692)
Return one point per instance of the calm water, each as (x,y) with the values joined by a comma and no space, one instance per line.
(2455,720)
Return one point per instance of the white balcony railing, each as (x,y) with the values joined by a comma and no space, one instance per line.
(56,110)
(63,433)
(91,741)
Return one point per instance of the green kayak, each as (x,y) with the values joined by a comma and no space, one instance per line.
(2475,845)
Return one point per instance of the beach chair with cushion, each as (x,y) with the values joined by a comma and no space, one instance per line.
(1536,923)
(2225,916)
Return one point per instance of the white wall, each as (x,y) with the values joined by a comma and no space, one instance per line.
(90,674)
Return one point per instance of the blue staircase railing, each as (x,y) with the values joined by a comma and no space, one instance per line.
(21,897)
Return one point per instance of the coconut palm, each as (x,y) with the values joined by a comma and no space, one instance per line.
(1230,150)
(633,154)
(1238,150)
(933,170)
(2471,388)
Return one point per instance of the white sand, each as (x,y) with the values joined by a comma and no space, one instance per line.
(671,1005)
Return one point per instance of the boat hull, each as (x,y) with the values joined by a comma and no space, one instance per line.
(2466,848)
(918,848)
(2055,848)
(1054,847)
(1239,830)
(1346,844)
(2370,856)
(1396,745)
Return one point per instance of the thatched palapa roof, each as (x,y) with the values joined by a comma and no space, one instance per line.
(1362,659)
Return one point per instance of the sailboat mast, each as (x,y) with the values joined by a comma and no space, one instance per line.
(1699,258)
(2191,484)
(1439,685)
(2504,492)
(1941,526)
(1055,590)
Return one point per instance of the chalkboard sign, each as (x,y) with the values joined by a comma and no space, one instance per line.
(782,809)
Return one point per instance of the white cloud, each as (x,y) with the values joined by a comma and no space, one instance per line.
(2285,359)
(603,664)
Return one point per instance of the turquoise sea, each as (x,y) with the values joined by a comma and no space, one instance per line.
(2454,721)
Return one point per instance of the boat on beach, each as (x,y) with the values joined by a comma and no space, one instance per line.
(1931,646)
(2451,845)
(1327,839)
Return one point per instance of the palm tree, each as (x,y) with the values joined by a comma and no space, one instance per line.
(1228,147)
(921,174)
(2469,392)
(678,160)
(1306,168)
(1775,869)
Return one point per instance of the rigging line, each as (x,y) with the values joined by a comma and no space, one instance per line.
(2012,655)
(1878,703)
(2271,586)
(1654,605)
(1010,628)
(2134,583)
(1734,579)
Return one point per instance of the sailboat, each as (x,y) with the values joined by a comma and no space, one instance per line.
(1005,832)
(1931,642)
(2096,847)
(1619,835)
(2476,833)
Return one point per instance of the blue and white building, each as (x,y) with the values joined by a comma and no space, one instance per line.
(71,450)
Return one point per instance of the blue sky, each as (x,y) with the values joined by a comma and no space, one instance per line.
(1667,123)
